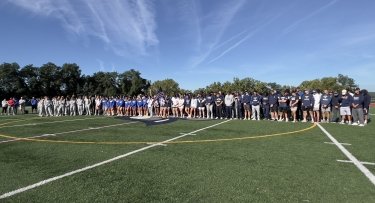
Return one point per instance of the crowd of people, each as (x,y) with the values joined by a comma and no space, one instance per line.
(296,105)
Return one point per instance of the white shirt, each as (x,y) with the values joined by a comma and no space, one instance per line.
(194,103)
(228,100)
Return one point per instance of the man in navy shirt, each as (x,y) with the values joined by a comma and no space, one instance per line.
(307,106)
(283,106)
(357,108)
(274,105)
(366,105)
(255,105)
(325,102)
(266,106)
(246,101)
(34,105)
(345,101)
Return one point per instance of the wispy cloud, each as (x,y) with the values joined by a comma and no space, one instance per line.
(126,27)
(293,26)
(215,23)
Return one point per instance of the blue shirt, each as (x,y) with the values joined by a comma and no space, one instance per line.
(326,100)
(346,100)
(34,102)
(255,100)
(307,100)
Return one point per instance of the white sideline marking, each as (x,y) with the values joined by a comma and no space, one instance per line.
(43,182)
(159,121)
(61,133)
(363,162)
(28,124)
(340,143)
(185,133)
(352,158)
(164,145)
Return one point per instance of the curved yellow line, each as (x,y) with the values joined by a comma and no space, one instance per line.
(172,142)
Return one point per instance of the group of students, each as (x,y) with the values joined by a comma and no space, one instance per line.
(295,105)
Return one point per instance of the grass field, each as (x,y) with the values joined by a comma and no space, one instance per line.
(200,161)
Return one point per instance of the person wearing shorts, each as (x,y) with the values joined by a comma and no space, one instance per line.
(273,99)
(193,107)
(175,106)
(293,103)
(202,102)
(209,102)
(283,106)
(246,101)
(346,101)
(307,106)
(218,103)
(326,103)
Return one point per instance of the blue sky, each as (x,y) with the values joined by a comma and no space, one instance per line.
(196,42)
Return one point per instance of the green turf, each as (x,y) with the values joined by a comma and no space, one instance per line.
(286,168)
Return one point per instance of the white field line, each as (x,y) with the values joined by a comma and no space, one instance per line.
(340,143)
(159,121)
(67,132)
(363,162)
(28,124)
(185,133)
(352,158)
(43,182)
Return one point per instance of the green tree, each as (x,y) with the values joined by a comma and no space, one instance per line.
(11,84)
(50,78)
(31,77)
(168,86)
(131,83)
(70,79)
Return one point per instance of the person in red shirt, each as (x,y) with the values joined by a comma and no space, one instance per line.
(11,105)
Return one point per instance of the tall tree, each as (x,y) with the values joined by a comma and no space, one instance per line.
(31,77)
(70,79)
(168,86)
(131,83)
(11,84)
(50,78)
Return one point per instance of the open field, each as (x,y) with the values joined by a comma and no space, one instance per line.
(101,159)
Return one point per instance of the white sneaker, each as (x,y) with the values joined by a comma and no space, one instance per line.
(361,125)
(355,123)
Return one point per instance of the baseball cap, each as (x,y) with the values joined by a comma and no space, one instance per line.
(343,91)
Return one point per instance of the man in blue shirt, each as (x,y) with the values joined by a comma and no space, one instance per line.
(274,105)
(357,108)
(307,106)
(246,101)
(34,105)
(255,105)
(325,102)
(345,101)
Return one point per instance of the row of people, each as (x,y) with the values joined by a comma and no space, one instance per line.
(294,105)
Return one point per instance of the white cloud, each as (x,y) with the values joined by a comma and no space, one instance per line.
(126,27)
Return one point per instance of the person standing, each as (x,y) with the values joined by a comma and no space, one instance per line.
(41,107)
(87,102)
(202,102)
(255,105)
(237,106)
(4,105)
(357,108)
(193,107)
(283,106)
(307,106)
(316,107)
(345,101)
(266,106)
(246,100)
(34,105)
(335,113)
(326,103)
(48,106)
(274,105)
(366,105)
(228,100)
(73,106)
(293,103)
(218,103)
(22,104)
(80,105)
(209,102)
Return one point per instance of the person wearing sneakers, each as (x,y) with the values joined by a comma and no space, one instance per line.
(274,105)
(335,113)
(209,102)
(307,106)
(316,107)
(366,105)
(246,101)
(345,102)
(228,101)
(283,106)
(293,103)
(219,102)
(357,108)
(255,105)
(266,106)
(325,102)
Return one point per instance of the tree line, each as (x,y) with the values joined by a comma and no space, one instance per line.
(51,79)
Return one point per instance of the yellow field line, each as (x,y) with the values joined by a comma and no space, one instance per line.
(172,142)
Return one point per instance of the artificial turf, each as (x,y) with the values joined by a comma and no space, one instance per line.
(296,167)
